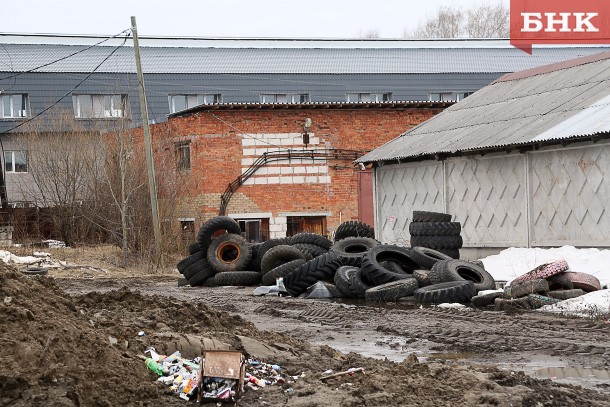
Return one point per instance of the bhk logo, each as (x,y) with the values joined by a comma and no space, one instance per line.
(559,22)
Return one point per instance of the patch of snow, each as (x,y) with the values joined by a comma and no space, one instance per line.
(451,305)
(513,262)
(41,254)
(484,292)
(589,305)
(9,258)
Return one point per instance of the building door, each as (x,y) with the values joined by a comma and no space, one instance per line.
(365,197)
(309,224)
(254,230)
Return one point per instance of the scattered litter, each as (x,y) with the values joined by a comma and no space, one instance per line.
(141,333)
(270,290)
(217,376)
(8,300)
(349,372)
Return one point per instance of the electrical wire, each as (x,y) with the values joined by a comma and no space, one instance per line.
(67,56)
(71,90)
(242,133)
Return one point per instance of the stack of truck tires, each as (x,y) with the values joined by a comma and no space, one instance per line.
(436,231)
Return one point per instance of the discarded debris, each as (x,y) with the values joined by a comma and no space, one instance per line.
(350,372)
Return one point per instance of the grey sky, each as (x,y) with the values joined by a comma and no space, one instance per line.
(224,18)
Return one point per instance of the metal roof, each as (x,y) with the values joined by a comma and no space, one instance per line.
(394,104)
(551,104)
(20,53)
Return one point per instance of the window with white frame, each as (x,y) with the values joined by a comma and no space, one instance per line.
(183,156)
(13,106)
(16,161)
(99,106)
(449,96)
(284,97)
(181,102)
(369,97)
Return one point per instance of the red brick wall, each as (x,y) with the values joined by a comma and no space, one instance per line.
(216,153)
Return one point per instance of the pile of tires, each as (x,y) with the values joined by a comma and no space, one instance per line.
(436,231)
(546,284)
(222,257)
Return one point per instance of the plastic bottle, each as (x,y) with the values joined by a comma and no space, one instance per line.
(154,366)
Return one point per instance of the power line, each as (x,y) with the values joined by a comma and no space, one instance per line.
(67,56)
(71,90)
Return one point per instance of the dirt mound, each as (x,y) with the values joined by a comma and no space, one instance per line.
(50,354)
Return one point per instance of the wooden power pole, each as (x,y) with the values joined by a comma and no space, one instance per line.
(147,141)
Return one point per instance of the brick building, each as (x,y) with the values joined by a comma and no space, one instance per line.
(215,145)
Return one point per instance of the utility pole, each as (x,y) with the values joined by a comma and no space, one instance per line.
(147,142)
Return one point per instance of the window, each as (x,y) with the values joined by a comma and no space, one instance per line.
(183,156)
(13,106)
(99,106)
(449,96)
(20,204)
(16,161)
(284,97)
(369,97)
(181,102)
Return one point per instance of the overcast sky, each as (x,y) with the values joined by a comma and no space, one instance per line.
(224,18)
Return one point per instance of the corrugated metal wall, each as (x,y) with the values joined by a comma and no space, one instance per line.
(543,198)
(45,88)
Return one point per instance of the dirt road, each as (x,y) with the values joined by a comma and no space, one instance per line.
(570,350)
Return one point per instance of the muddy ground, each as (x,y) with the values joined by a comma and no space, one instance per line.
(71,338)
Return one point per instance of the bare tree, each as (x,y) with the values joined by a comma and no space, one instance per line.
(370,33)
(447,23)
(484,21)
(488,21)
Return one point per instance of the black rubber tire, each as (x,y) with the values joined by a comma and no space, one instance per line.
(566,294)
(435,228)
(458,270)
(229,252)
(560,282)
(354,228)
(182,282)
(310,250)
(453,253)
(392,291)
(437,242)
(423,277)
(538,286)
(452,291)
(539,301)
(376,274)
(321,268)
(485,299)
(278,255)
(214,225)
(201,276)
(427,257)
(312,238)
(348,279)
(424,216)
(255,261)
(282,271)
(193,248)
(237,278)
(195,268)
(189,261)
(503,304)
(392,266)
(268,245)
(209,282)
(353,247)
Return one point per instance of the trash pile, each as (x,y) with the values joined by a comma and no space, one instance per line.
(547,284)
(354,265)
(217,376)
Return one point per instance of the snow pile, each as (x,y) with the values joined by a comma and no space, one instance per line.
(10,258)
(514,261)
(592,304)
